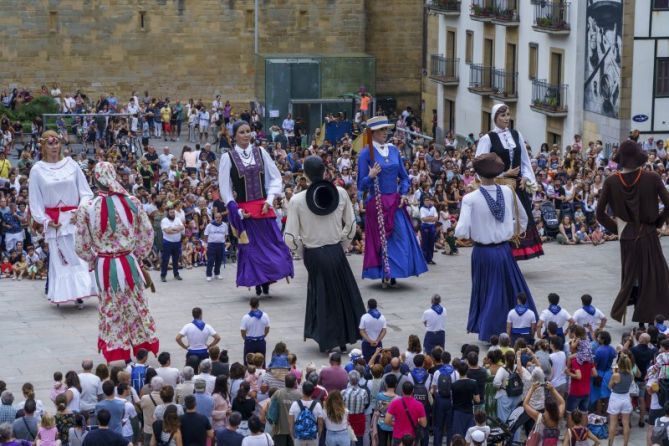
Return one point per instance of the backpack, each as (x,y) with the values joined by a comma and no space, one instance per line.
(659,433)
(420,392)
(444,383)
(137,376)
(514,384)
(305,423)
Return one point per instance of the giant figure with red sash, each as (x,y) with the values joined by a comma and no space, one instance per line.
(113,235)
(248,182)
(56,188)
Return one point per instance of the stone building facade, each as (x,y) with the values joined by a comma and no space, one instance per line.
(199,48)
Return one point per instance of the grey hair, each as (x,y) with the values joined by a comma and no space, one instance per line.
(6,433)
(7,398)
(157,383)
(187,373)
(354,377)
(205,366)
(87,364)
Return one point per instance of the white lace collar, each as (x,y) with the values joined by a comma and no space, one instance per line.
(382,149)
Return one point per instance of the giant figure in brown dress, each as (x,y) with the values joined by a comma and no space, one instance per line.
(633,195)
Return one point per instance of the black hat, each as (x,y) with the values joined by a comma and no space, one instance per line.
(488,165)
(322,196)
(630,155)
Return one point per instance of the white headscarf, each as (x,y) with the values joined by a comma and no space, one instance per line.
(493,113)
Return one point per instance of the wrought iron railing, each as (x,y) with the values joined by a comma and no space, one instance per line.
(443,69)
(506,10)
(445,5)
(506,83)
(481,77)
(552,15)
(482,8)
(550,97)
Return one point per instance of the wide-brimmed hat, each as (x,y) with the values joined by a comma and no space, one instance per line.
(379,122)
(488,165)
(630,155)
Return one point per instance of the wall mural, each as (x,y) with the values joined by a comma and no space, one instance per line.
(603,57)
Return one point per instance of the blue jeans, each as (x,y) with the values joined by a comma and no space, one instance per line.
(578,402)
(443,420)
(170,250)
(428,234)
(338,438)
(215,256)
(461,422)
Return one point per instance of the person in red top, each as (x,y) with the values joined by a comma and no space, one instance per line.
(580,369)
(405,414)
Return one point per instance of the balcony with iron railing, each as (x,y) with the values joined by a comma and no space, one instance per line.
(505,85)
(549,99)
(445,71)
(552,17)
(481,10)
(505,13)
(481,79)
(445,7)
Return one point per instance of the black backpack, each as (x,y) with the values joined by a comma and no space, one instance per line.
(444,384)
(420,392)
(514,385)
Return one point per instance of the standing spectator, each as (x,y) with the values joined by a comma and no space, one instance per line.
(372,329)
(465,394)
(579,369)
(206,376)
(148,404)
(173,229)
(169,374)
(168,430)
(73,392)
(258,437)
(288,127)
(25,427)
(604,357)
(195,427)
(104,435)
(559,365)
(336,421)
(405,415)
(203,123)
(7,411)
(428,229)
(187,386)
(90,385)
(245,404)
(114,407)
(165,160)
(138,370)
(214,235)
(197,333)
(222,407)
(356,399)
(229,436)
(333,377)
(547,422)
(620,402)
(254,328)
(381,430)
(283,399)
(203,400)
(434,319)
(643,354)
(521,321)
(310,425)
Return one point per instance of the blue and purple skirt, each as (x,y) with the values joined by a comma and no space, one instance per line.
(496,281)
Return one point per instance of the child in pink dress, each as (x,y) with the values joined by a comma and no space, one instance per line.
(47,434)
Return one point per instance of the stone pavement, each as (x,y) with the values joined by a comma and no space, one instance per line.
(38,338)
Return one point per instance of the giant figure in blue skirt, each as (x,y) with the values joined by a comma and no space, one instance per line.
(487,218)
(391,248)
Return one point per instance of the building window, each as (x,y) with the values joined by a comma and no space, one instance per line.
(53,21)
(534,60)
(302,19)
(469,47)
(249,19)
(662,77)
(142,20)
(485,122)
(660,4)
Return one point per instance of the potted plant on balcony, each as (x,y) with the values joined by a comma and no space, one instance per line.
(505,14)
(544,22)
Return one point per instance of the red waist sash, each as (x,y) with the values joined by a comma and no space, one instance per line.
(54,213)
(255,209)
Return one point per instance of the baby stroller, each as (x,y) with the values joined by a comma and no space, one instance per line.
(503,432)
(550,219)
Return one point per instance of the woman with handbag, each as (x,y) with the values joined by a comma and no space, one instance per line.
(546,431)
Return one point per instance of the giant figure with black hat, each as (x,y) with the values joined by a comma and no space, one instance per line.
(487,218)
(633,195)
(319,226)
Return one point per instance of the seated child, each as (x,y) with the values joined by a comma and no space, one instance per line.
(20,268)
(6,268)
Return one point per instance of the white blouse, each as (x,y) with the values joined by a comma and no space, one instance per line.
(484,145)
(477,223)
(272,174)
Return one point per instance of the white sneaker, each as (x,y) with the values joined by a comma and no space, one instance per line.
(219,277)
(208,279)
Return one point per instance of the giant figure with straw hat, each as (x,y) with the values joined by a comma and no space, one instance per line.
(319,226)
(487,218)
(113,235)
(633,195)
(391,248)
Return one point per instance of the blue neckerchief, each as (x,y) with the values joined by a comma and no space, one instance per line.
(374,313)
(199,323)
(589,309)
(419,375)
(437,309)
(661,327)
(255,313)
(216,224)
(520,309)
(496,206)
(555,309)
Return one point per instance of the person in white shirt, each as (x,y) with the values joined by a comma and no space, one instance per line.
(203,122)
(214,235)
(91,387)
(487,218)
(589,316)
(197,333)
(169,374)
(254,328)
(165,160)
(206,376)
(173,228)
(123,392)
(434,319)
(521,321)
(372,329)
(311,405)
(428,228)
(554,313)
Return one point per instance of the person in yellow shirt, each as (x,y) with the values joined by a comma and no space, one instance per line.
(5,165)
(165,115)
